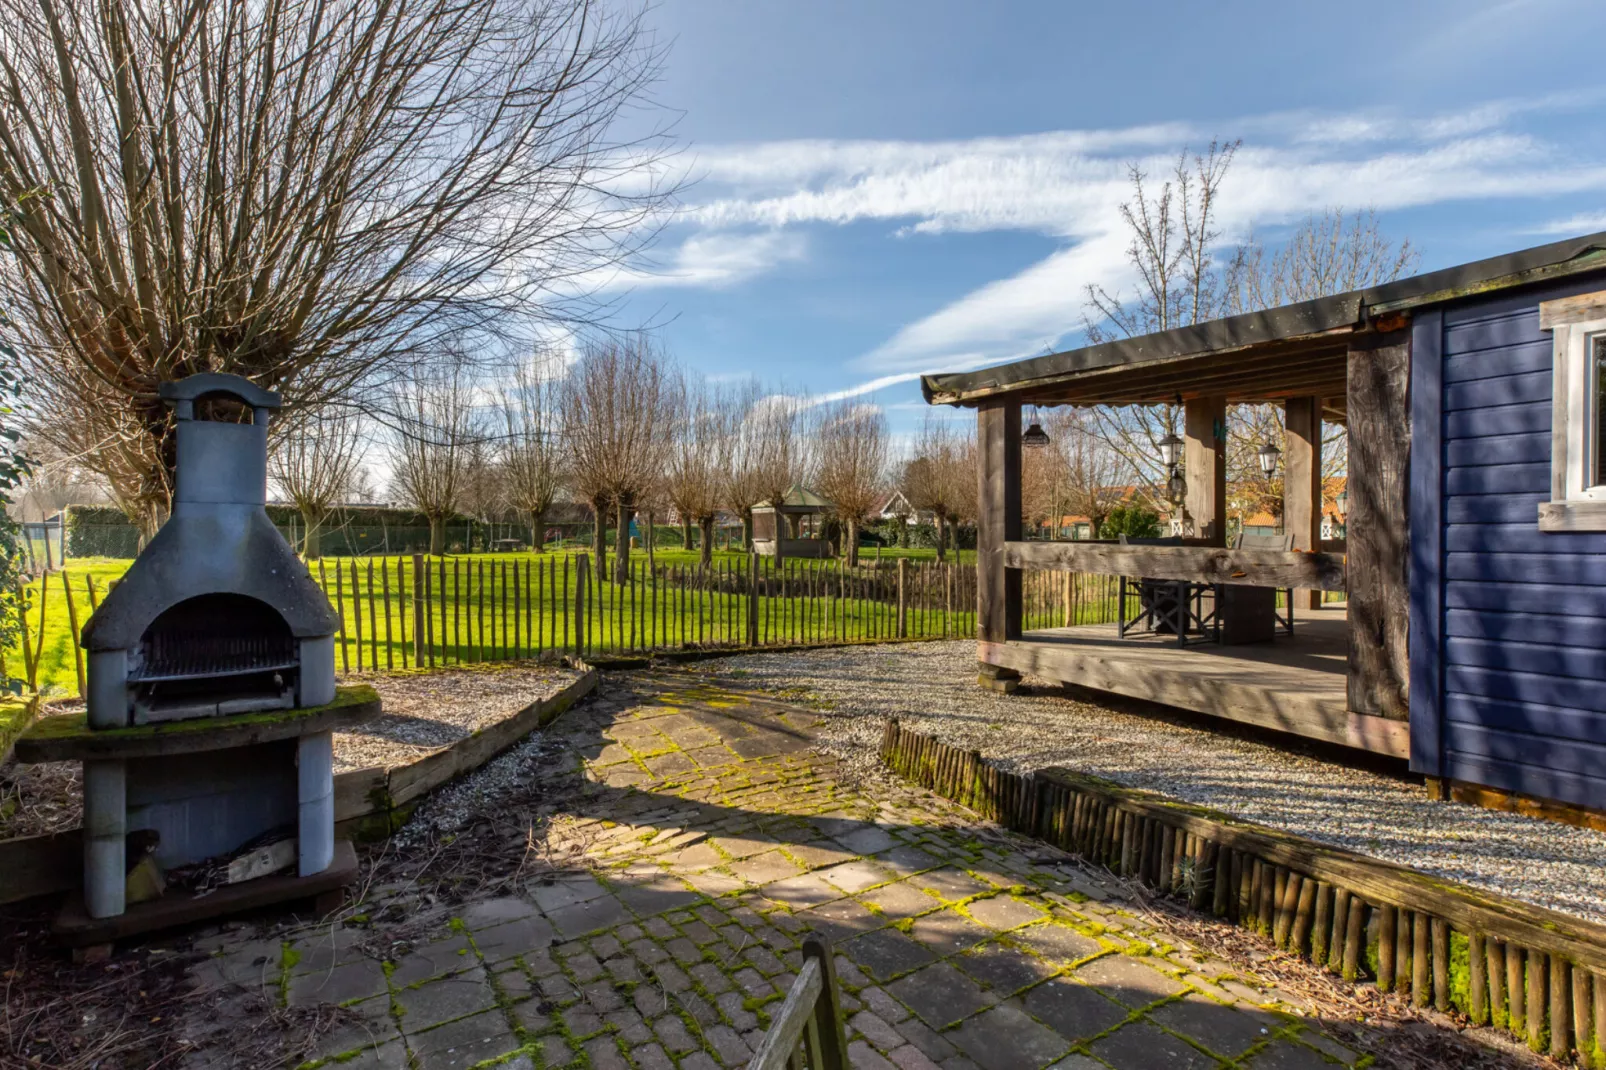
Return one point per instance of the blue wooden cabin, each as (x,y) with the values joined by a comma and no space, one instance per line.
(1472,637)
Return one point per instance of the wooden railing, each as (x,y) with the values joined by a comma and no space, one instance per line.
(1202,564)
(808,1030)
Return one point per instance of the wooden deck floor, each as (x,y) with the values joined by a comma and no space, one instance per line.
(1294,684)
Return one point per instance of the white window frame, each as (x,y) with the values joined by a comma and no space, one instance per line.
(1577,490)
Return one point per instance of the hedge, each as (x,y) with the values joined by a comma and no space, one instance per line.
(103,531)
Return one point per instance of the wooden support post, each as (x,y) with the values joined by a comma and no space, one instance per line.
(1535,1001)
(1496,975)
(1205,466)
(1421,991)
(581,579)
(1302,482)
(1322,926)
(1516,991)
(419,610)
(1583,1011)
(1477,980)
(1354,940)
(998,521)
(1561,1009)
(1386,936)
(1379,423)
(903,598)
(1441,965)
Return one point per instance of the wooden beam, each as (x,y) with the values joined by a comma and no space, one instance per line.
(1202,564)
(1205,464)
(998,521)
(1379,546)
(1302,481)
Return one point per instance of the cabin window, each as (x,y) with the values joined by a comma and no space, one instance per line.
(1578,439)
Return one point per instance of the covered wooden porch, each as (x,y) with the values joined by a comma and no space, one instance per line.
(1295,685)
(1342,676)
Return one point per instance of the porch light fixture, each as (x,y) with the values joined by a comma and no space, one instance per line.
(1034,437)
(1342,501)
(1176,488)
(1170,450)
(1269,453)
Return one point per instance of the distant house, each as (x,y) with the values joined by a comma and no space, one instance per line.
(896,505)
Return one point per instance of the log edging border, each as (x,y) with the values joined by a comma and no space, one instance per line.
(1536,973)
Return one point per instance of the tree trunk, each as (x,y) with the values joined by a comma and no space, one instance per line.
(853,543)
(621,539)
(747,529)
(312,523)
(937,518)
(437,535)
(685,533)
(599,533)
(538,530)
(705,535)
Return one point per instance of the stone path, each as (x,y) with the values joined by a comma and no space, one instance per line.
(702,839)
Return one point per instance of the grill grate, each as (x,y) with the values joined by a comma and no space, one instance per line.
(215,635)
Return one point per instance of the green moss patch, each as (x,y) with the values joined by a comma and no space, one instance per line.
(73,726)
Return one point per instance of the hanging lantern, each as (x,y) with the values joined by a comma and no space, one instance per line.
(1034,437)
(1170,450)
(1269,453)
(1343,502)
(1176,488)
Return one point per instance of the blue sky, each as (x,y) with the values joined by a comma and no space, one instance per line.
(889,188)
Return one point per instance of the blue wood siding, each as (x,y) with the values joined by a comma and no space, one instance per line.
(1508,623)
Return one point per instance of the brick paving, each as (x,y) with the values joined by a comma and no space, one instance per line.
(702,839)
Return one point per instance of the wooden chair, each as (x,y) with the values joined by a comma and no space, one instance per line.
(1169,607)
(1272,542)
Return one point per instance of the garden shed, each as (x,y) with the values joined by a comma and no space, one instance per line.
(1472,638)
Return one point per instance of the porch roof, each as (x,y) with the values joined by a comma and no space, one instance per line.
(1294,350)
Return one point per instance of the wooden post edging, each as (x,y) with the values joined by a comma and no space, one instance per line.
(808,1028)
(1537,973)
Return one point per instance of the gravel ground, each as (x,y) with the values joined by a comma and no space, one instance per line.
(931,687)
(427,710)
(422,711)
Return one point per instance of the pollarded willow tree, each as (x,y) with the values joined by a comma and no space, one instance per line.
(435,445)
(310,193)
(532,460)
(315,466)
(692,465)
(851,461)
(613,424)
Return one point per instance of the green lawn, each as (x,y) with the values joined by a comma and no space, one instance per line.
(495,606)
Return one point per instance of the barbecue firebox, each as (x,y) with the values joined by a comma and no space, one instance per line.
(211,694)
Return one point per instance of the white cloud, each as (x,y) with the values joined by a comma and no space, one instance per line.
(711,260)
(1583,223)
(754,203)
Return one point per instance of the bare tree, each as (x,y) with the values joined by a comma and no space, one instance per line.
(612,423)
(1328,253)
(851,440)
(1090,473)
(1172,249)
(781,455)
(532,451)
(692,470)
(315,464)
(741,453)
(435,446)
(932,477)
(310,193)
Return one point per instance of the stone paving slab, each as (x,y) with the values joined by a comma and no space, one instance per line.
(702,841)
